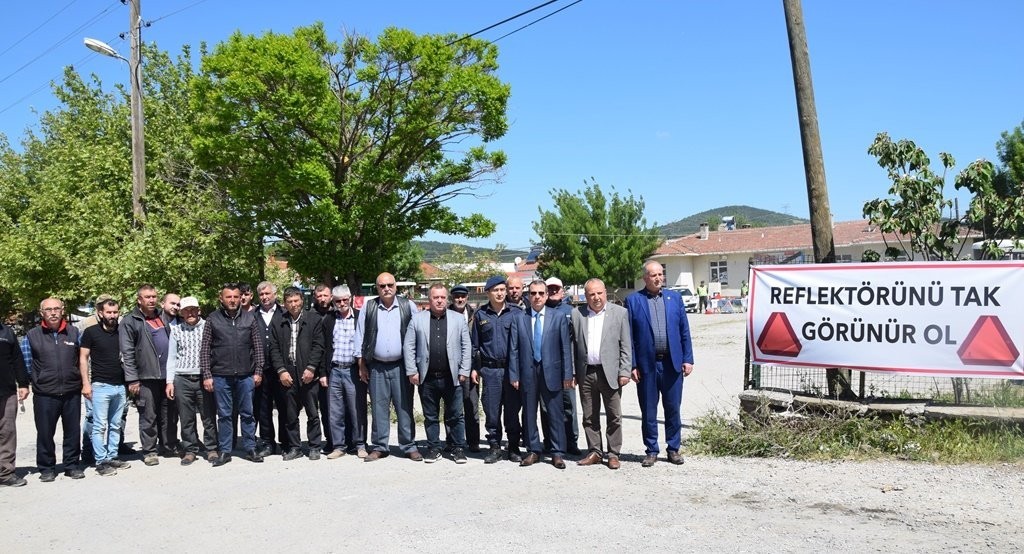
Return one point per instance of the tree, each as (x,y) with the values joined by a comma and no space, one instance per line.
(65,202)
(459,267)
(347,152)
(590,235)
(1001,220)
(920,217)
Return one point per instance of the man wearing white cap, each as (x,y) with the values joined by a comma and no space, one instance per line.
(558,302)
(184,383)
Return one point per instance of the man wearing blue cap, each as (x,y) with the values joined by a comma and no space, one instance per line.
(495,353)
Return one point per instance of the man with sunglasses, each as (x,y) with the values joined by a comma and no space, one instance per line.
(380,332)
(346,393)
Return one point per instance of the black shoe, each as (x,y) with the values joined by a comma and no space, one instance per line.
(314,454)
(432,456)
(47,475)
(266,450)
(493,455)
(221,459)
(474,448)
(514,455)
(74,473)
(118,464)
(291,454)
(13,481)
(125,450)
(106,470)
(649,460)
(459,456)
(255,458)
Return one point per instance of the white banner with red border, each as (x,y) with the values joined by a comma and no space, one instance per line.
(950,319)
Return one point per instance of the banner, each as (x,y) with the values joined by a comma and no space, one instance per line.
(950,319)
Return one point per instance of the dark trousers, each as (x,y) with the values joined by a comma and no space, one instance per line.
(158,417)
(536,394)
(470,411)
(263,399)
(433,391)
(594,389)
(234,394)
(664,382)
(305,397)
(347,408)
(502,403)
(191,399)
(572,433)
(48,410)
(8,434)
(389,385)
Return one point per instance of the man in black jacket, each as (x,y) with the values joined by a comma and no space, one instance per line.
(347,394)
(52,353)
(13,389)
(296,354)
(231,361)
(144,337)
(265,396)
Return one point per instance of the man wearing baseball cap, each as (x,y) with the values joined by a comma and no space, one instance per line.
(184,383)
(558,302)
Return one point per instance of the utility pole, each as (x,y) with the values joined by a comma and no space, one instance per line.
(814,164)
(138,124)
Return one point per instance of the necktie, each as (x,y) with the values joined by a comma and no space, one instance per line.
(537,329)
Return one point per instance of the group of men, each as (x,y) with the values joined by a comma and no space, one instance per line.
(525,349)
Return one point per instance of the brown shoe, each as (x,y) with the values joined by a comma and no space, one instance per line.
(335,454)
(211,455)
(188,458)
(590,459)
(649,460)
(613,462)
(675,458)
(374,456)
(529,460)
(415,456)
(558,462)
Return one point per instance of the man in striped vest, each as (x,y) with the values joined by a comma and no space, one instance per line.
(184,383)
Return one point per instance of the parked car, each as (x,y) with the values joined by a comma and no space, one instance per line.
(690,300)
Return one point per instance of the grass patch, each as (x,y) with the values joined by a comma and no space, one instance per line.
(844,437)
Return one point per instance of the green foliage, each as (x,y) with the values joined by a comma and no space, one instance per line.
(839,437)
(590,235)
(755,217)
(1002,214)
(344,152)
(65,202)
(919,215)
(459,266)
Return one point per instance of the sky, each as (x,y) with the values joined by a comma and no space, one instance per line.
(687,104)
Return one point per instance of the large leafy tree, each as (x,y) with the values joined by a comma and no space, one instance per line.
(345,152)
(65,201)
(589,234)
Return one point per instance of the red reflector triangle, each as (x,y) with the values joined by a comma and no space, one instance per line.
(777,338)
(988,343)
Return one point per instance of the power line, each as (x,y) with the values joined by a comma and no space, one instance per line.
(40,26)
(536,21)
(74,33)
(175,12)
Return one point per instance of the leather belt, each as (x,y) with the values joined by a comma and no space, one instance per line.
(594,368)
(377,361)
(189,377)
(660,357)
(341,366)
(491,362)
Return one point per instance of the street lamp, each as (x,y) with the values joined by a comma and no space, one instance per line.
(138,131)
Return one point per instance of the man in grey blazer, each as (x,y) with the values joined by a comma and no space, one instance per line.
(437,358)
(603,360)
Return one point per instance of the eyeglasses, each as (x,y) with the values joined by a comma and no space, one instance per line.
(385,285)
(538,292)
(52,310)
(342,300)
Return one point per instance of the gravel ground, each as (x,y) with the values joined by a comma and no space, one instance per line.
(707,505)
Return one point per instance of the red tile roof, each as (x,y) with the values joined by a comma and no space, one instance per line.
(770,239)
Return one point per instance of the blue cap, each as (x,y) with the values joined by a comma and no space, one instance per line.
(460,289)
(494,281)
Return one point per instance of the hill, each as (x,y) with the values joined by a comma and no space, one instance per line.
(755,217)
(433,249)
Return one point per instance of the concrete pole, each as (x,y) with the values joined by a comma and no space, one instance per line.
(138,124)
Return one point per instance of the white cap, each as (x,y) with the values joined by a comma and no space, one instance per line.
(553,282)
(189,302)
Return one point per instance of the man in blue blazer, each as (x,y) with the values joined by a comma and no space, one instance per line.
(545,370)
(437,359)
(662,357)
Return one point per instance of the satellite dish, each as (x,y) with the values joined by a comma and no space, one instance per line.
(518,260)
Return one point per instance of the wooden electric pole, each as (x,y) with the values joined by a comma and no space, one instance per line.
(138,124)
(814,164)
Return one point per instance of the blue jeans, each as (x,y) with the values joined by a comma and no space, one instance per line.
(346,403)
(388,384)
(107,404)
(234,393)
(434,390)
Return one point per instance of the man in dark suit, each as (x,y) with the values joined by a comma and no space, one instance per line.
(437,353)
(266,395)
(662,357)
(604,357)
(470,390)
(545,370)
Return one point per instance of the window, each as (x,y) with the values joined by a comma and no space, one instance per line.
(719,272)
